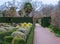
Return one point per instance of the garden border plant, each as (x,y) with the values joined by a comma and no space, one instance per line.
(3,34)
(7,39)
(30,36)
(55,30)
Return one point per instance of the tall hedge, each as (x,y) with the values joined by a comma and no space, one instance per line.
(16,19)
(45,21)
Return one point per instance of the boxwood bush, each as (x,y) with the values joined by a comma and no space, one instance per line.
(30,36)
(3,34)
(19,41)
(8,39)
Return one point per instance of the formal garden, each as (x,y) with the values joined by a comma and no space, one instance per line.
(17,28)
(18,25)
(21,33)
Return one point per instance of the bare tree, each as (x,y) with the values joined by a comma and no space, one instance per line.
(46,10)
(55,17)
(11,12)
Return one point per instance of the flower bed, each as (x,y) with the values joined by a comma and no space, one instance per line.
(18,35)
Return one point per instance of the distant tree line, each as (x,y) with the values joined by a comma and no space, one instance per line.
(11,11)
(45,10)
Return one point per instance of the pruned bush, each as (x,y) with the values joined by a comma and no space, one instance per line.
(8,39)
(24,30)
(19,41)
(3,34)
(2,30)
(1,42)
(6,28)
(10,28)
(30,36)
(16,33)
(22,34)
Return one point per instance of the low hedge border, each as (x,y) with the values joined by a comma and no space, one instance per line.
(19,41)
(30,36)
(3,34)
(6,38)
(11,40)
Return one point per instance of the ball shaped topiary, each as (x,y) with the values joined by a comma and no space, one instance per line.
(8,39)
(18,33)
(2,30)
(23,30)
(19,41)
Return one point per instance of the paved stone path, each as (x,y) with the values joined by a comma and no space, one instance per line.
(44,36)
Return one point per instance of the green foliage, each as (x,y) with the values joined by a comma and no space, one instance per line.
(14,19)
(1,42)
(30,36)
(19,41)
(18,33)
(55,30)
(3,34)
(8,39)
(28,8)
(45,21)
(20,12)
(51,26)
(39,21)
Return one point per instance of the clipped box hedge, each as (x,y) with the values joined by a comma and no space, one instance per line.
(3,34)
(8,39)
(19,41)
(14,19)
(30,36)
(45,21)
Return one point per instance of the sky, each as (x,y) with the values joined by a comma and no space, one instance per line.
(48,1)
(43,1)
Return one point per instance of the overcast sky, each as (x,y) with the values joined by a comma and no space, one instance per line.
(44,1)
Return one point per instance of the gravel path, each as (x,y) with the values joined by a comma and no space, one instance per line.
(44,36)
